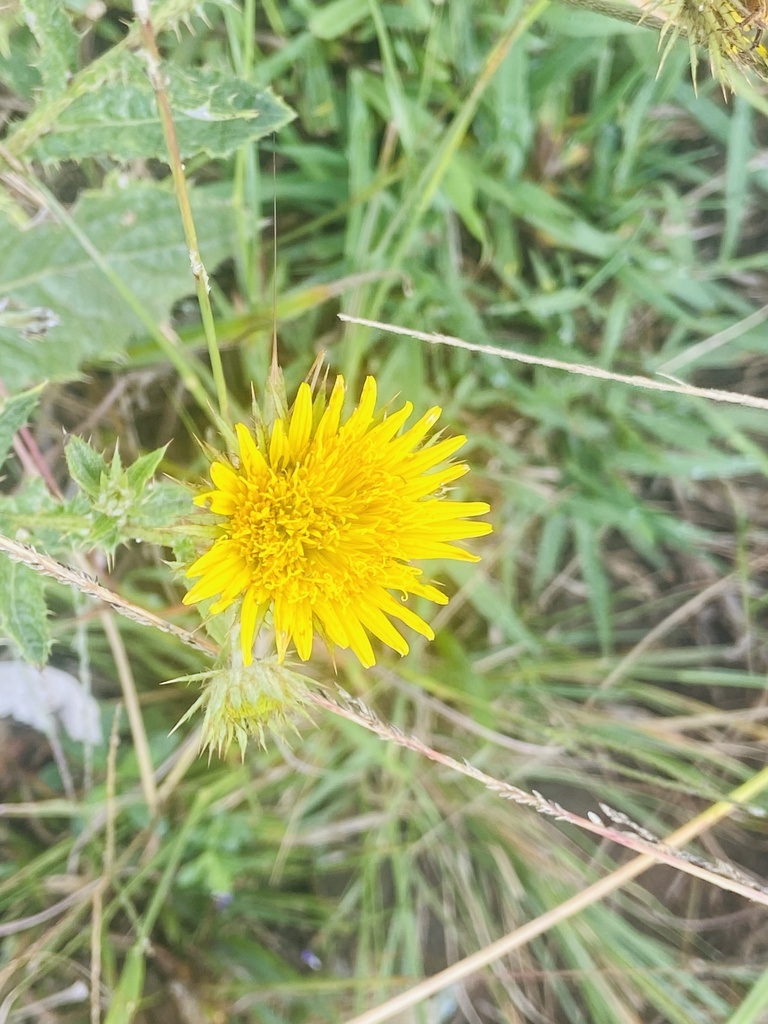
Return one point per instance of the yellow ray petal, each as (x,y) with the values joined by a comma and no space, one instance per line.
(283,623)
(422,548)
(429,591)
(208,586)
(438,511)
(415,434)
(389,426)
(281,643)
(425,485)
(252,460)
(225,570)
(398,610)
(329,421)
(222,503)
(429,457)
(237,586)
(223,551)
(249,616)
(376,621)
(302,630)
(460,529)
(225,478)
(301,421)
(332,624)
(278,446)
(204,498)
(358,639)
(223,603)
(360,420)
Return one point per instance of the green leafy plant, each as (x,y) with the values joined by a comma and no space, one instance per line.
(587,230)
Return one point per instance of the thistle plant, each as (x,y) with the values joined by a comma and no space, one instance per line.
(457,168)
(317,521)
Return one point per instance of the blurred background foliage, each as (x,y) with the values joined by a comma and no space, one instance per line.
(521,177)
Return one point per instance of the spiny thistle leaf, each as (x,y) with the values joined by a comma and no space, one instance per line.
(15,411)
(213,113)
(136,230)
(58,42)
(23,613)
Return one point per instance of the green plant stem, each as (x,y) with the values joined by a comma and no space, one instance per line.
(245,179)
(202,286)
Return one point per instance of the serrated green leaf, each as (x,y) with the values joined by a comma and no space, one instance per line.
(17,53)
(184,549)
(105,533)
(143,469)
(26,502)
(157,520)
(86,465)
(53,525)
(23,614)
(14,413)
(213,113)
(57,40)
(166,502)
(114,478)
(138,232)
(10,17)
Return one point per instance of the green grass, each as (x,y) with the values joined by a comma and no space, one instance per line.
(568,203)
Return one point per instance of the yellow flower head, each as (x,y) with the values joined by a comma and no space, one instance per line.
(321,523)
